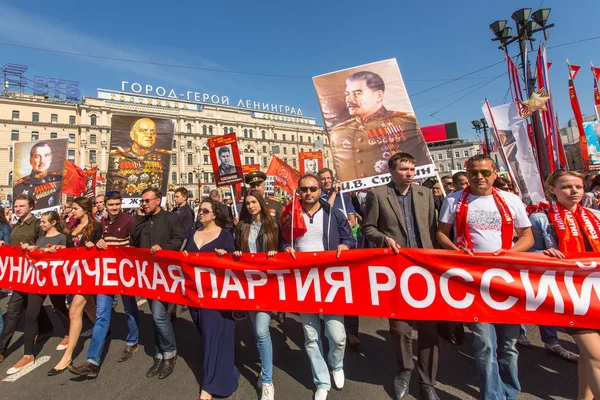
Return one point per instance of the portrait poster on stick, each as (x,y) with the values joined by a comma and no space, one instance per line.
(140,155)
(90,182)
(38,172)
(225,159)
(239,192)
(310,162)
(369,117)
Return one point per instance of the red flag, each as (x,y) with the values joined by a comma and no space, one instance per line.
(577,111)
(73,180)
(285,176)
(574,70)
(596,73)
(292,220)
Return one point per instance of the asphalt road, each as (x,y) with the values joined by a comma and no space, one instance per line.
(369,374)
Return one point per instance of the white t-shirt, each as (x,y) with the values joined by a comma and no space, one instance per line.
(484,220)
(312,240)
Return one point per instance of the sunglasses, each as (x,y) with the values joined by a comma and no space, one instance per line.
(147,201)
(486,173)
(205,211)
(305,189)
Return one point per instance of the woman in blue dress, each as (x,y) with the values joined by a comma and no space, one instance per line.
(215,326)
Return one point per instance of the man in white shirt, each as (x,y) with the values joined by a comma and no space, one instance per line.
(484,218)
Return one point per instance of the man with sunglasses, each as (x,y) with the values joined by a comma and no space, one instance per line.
(158,230)
(484,219)
(327,229)
(115,232)
(402,215)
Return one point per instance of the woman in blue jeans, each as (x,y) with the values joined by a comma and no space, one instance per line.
(215,326)
(554,239)
(258,232)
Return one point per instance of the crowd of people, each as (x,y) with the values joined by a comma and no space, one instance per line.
(472,211)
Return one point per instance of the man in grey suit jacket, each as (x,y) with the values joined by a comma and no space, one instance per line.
(402,214)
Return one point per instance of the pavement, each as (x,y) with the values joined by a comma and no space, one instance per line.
(369,373)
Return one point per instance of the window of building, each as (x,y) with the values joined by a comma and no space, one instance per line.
(264,134)
(224,130)
(93,120)
(285,150)
(10,153)
(206,177)
(189,159)
(245,133)
(210,130)
(449,167)
(189,144)
(309,139)
(174,177)
(264,149)
(71,120)
(204,129)
(206,161)
(285,160)
(71,138)
(71,155)
(53,135)
(284,136)
(92,139)
(35,136)
(54,118)
(10,179)
(294,163)
(441,167)
(449,155)
(478,151)
(174,159)
(457,154)
(174,143)
(92,156)
(188,128)
(458,166)
(14,135)
(35,117)
(190,177)
(293,150)
(251,134)
(301,139)
(440,156)
(466,153)
(15,115)
(275,136)
(230,130)
(265,162)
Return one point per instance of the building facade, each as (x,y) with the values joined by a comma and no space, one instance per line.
(87,126)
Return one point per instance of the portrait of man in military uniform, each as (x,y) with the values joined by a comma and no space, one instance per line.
(363,132)
(140,155)
(226,164)
(43,180)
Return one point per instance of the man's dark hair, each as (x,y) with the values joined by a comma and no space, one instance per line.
(372,80)
(223,150)
(27,198)
(480,158)
(400,157)
(446,177)
(308,176)
(154,190)
(112,196)
(456,176)
(39,144)
(184,192)
(322,171)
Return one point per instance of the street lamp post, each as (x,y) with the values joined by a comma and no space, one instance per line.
(527,25)
(479,126)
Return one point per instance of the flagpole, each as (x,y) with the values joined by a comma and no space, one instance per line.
(293,217)
(235,213)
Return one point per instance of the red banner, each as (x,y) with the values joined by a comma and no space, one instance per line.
(74,180)
(246,169)
(285,176)
(310,162)
(414,285)
(225,159)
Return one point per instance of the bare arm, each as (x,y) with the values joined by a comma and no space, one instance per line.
(443,236)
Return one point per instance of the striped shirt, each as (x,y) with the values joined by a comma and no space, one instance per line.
(116,233)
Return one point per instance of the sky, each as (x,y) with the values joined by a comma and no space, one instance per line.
(433,41)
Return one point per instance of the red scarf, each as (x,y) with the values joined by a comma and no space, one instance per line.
(569,226)
(463,238)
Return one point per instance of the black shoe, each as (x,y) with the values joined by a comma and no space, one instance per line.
(401,384)
(155,368)
(167,367)
(281,317)
(54,371)
(428,393)
(86,369)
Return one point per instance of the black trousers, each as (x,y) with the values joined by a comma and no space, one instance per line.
(427,345)
(16,304)
(35,304)
(351,324)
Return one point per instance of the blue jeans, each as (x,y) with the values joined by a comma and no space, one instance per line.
(262,338)
(549,334)
(1,323)
(496,358)
(103,313)
(164,337)
(336,335)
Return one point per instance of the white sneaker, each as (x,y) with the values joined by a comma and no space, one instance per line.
(268,391)
(321,394)
(339,378)
(259,384)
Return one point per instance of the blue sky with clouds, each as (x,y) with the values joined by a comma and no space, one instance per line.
(433,41)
